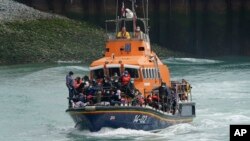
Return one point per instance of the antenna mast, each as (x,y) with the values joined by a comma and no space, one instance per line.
(147,30)
(116,16)
(134,14)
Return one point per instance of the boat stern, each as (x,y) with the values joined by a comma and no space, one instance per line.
(187,109)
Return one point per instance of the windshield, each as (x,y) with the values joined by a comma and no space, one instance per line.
(126,27)
(133,72)
(112,71)
(98,73)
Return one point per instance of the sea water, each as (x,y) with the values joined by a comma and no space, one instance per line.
(33,102)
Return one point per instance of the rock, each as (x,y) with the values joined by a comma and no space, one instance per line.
(11,11)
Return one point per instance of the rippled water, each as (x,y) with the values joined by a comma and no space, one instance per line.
(33,102)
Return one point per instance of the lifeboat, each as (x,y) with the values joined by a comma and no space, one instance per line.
(131,87)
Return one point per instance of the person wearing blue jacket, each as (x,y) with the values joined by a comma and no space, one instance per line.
(70,86)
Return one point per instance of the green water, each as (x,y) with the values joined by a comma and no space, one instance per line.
(33,102)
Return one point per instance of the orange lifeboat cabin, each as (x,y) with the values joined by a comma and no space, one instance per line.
(135,56)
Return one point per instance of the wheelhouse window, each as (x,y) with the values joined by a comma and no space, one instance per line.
(133,72)
(148,73)
(144,73)
(157,73)
(152,73)
(112,71)
(141,48)
(98,73)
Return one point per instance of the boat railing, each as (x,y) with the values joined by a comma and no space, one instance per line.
(107,95)
(182,89)
(106,99)
(113,37)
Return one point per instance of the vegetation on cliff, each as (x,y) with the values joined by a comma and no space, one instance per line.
(52,40)
(49,40)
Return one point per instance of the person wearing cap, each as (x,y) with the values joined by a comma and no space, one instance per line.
(138,33)
(123,34)
(70,86)
(125,78)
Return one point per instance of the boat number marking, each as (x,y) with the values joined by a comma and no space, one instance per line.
(140,119)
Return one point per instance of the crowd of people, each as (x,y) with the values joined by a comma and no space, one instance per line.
(121,91)
(83,91)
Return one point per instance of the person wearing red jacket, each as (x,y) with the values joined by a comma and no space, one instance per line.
(125,78)
(77,83)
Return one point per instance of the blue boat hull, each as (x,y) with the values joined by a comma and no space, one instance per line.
(139,118)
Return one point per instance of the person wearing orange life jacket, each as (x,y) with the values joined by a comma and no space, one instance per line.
(125,78)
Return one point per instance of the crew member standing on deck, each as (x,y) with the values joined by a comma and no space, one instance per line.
(125,78)
(70,85)
(138,33)
(123,34)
